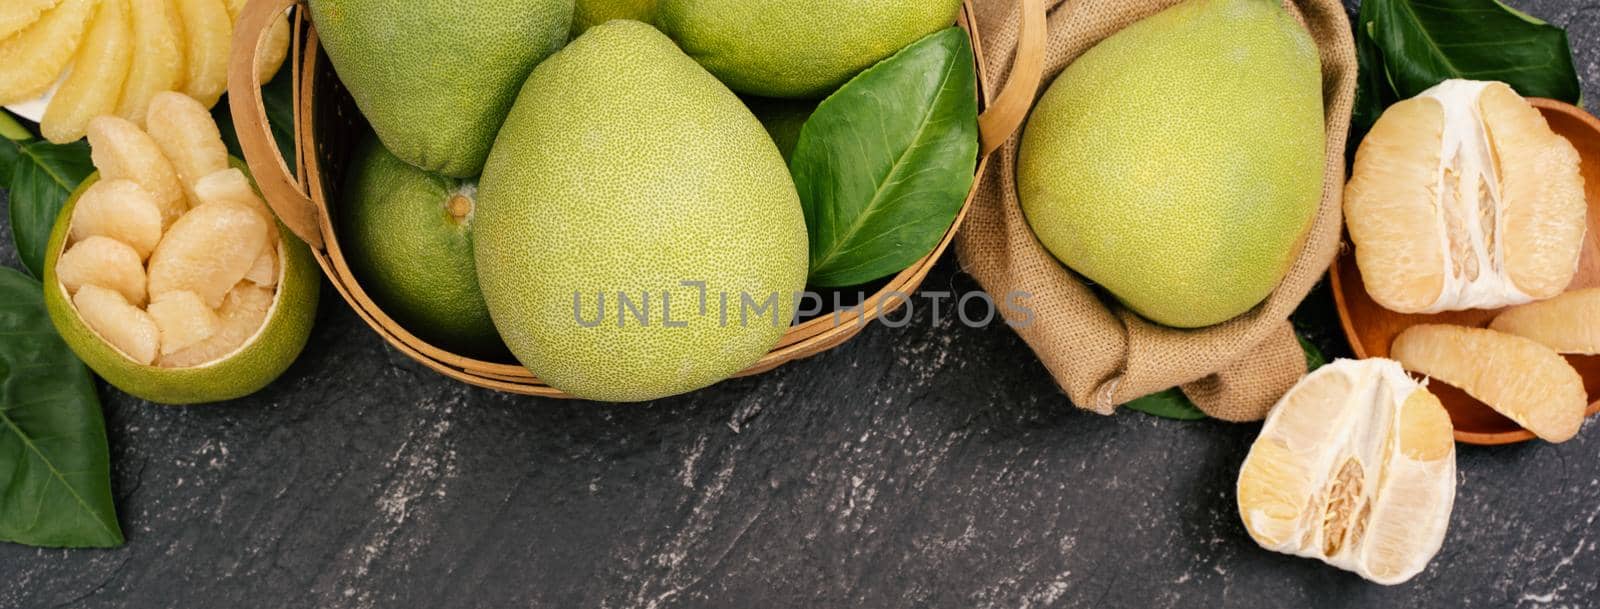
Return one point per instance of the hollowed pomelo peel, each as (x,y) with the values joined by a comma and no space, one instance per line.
(1527,382)
(260,360)
(1355,466)
(1463,198)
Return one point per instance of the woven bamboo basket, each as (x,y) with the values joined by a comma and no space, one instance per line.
(327,125)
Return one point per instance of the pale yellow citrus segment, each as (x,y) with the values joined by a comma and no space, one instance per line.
(1542,199)
(234,7)
(209,34)
(232,186)
(157,60)
(124,326)
(1355,466)
(242,313)
(188,136)
(1389,207)
(121,210)
(264,271)
(1569,323)
(121,150)
(184,320)
(104,262)
(32,60)
(274,49)
(207,251)
(1527,382)
(15,15)
(95,83)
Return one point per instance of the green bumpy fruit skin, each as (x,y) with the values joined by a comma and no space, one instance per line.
(246,371)
(590,13)
(411,254)
(627,168)
(1179,162)
(435,78)
(799,49)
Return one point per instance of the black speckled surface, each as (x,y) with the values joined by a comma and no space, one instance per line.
(924,466)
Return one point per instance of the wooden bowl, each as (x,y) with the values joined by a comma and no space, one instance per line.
(1372,328)
(327,125)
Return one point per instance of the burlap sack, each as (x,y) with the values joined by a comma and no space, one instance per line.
(1100,353)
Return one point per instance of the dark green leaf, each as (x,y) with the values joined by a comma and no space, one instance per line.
(1425,42)
(1314,357)
(1373,92)
(884,163)
(45,174)
(1169,404)
(55,469)
(278,96)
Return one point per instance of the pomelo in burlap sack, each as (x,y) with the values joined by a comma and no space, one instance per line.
(1102,354)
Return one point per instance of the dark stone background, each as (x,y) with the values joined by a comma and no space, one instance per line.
(928,466)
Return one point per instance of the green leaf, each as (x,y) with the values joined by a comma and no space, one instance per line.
(1169,404)
(1425,42)
(1373,92)
(278,96)
(1314,357)
(44,176)
(885,162)
(55,468)
(11,129)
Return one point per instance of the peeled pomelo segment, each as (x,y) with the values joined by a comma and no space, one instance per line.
(184,320)
(31,60)
(16,15)
(208,33)
(1527,382)
(122,325)
(1354,466)
(207,251)
(95,83)
(264,271)
(121,150)
(157,58)
(188,136)
(232,186)
(1541,190)
(1463,198)
(234,7)
(243,312)
(274,49)
(1569,323)
(1390,211)
(105,262)
(119,209)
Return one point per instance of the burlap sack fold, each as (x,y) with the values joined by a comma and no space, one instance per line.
(1101,354)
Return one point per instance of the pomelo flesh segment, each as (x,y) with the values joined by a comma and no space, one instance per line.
(242,313)
(121,210)
(274,49)
(1464,198)
(1527,382)
(1355,466)
(184,320)
(31,60)
(264,271)
(122,325)
(157,58)
(207,251)
(95,83)
(208,33)
(17,15)
(232,186)
(188,136)
(104,262)
(121,150)
(1569,323)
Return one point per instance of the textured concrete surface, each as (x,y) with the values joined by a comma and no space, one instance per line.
(925,466)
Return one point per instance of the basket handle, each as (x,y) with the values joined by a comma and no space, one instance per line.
(283,192)
(1010,108)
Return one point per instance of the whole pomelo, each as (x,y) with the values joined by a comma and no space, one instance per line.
(1179,162)
(260,360)
(435,78)
(407,235)
(590,13)
(627,171)
(798,48)
(783,119)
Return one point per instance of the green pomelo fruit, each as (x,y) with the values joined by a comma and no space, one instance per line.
(407,235)
(260,360)
(436,77)
(590,13)
(783,119)
(1179,162)
(798,48)
(625,168)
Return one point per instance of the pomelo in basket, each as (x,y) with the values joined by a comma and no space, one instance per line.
(798,48)
(627,170)
(590,13)
(1179,162)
